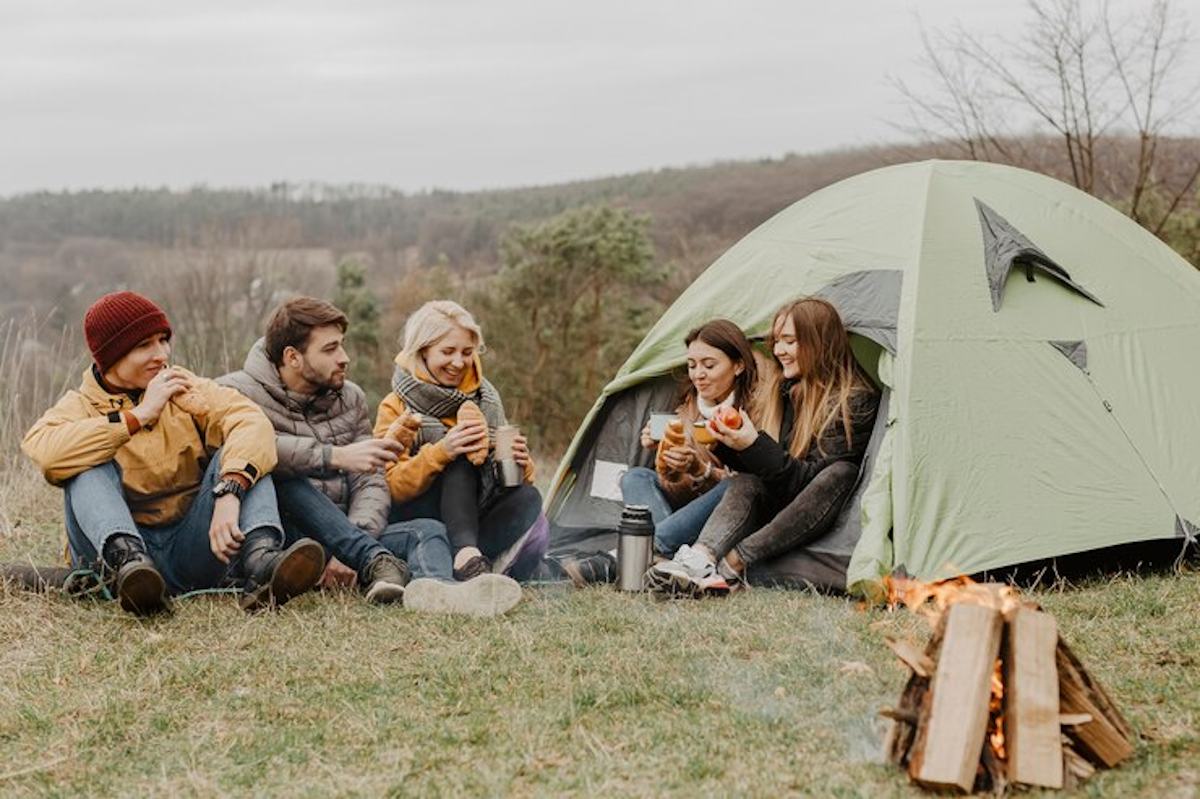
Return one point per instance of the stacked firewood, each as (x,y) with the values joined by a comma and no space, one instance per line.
(997,698)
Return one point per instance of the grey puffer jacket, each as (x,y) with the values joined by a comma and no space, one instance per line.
(307,428)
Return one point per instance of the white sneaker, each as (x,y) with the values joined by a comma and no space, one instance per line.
(689,573)
(485,595)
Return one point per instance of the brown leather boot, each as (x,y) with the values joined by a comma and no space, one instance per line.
(274,575)
(140,589)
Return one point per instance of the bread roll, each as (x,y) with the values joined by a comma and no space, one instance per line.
(470,412)
(672,437)
(404,429)
(191,402)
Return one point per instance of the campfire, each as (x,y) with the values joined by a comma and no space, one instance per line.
(996,698)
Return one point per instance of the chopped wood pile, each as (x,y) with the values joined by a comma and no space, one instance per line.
(997,698)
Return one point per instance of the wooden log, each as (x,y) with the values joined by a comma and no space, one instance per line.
(1106,738)
(1032,735)
(955,715)
(908,712)
(920,663)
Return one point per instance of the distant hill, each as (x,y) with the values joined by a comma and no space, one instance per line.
(65,249)
(62,250)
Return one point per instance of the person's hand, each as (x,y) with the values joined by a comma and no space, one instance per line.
(224,536)
(337,574)
(465,437)
(679,459)
(158,393)
(737,439)
(369,455)
(647,441)
(520,450)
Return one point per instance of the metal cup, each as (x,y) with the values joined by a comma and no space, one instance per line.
(508,471)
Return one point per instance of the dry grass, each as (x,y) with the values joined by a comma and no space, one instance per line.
(577,692)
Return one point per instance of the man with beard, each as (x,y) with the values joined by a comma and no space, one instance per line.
(329,478)
(165,474)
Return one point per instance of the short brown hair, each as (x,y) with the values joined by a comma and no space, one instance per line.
(292,323)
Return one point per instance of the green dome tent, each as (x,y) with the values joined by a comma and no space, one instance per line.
(1039,354)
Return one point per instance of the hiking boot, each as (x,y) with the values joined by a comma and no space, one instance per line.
(383,579)
(485,595)
(478,565)
(274,575)
(139,589)
(594,569)
(689,574)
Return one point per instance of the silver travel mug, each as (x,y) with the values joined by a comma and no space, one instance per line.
(635,547)
(508,470)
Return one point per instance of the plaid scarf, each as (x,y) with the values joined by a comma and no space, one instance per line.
(435,402)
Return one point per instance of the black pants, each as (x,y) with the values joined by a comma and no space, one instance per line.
(454,500)
(760,527)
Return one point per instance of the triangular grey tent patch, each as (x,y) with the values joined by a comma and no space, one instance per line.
(869,303)
(1185,529)
(1004,246)
(1076,352)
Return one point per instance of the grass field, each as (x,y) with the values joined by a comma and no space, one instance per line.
(767,693)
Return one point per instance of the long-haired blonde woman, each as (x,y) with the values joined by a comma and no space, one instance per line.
(437,370)
(794,475)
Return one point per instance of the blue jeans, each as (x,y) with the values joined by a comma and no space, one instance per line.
(95,509)
(423,545)
(672,528)
(307,512)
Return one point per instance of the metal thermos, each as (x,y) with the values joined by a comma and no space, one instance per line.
(635,547)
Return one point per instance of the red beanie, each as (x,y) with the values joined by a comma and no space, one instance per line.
(117,322)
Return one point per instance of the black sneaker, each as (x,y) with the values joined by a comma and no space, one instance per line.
(474,567)
(594,569)
(384,578)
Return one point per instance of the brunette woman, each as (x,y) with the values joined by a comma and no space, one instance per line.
(689,479)
(796,473)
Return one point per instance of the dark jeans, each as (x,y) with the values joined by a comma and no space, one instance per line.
(454,499)
(752,521)
(308,512)
(96,508)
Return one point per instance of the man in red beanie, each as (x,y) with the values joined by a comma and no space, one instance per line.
(160,499)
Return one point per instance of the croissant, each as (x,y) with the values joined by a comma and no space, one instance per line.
(672,437)
(191,402)
(404,429)
(469,412)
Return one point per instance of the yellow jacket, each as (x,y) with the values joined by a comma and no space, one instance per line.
(163,463)
(413,474)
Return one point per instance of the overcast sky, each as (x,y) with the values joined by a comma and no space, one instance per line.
(458,94)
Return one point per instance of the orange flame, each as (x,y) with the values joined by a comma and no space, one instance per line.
(996,712)
(915,594)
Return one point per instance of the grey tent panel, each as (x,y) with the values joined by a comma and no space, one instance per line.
(1076,352)
(869,303)
(1004,246)
(1185,529)
(586,523)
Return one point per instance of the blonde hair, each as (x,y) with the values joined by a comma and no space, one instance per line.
(433,320)
(829,376)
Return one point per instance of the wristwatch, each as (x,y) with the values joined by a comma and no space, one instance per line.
(229,486)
